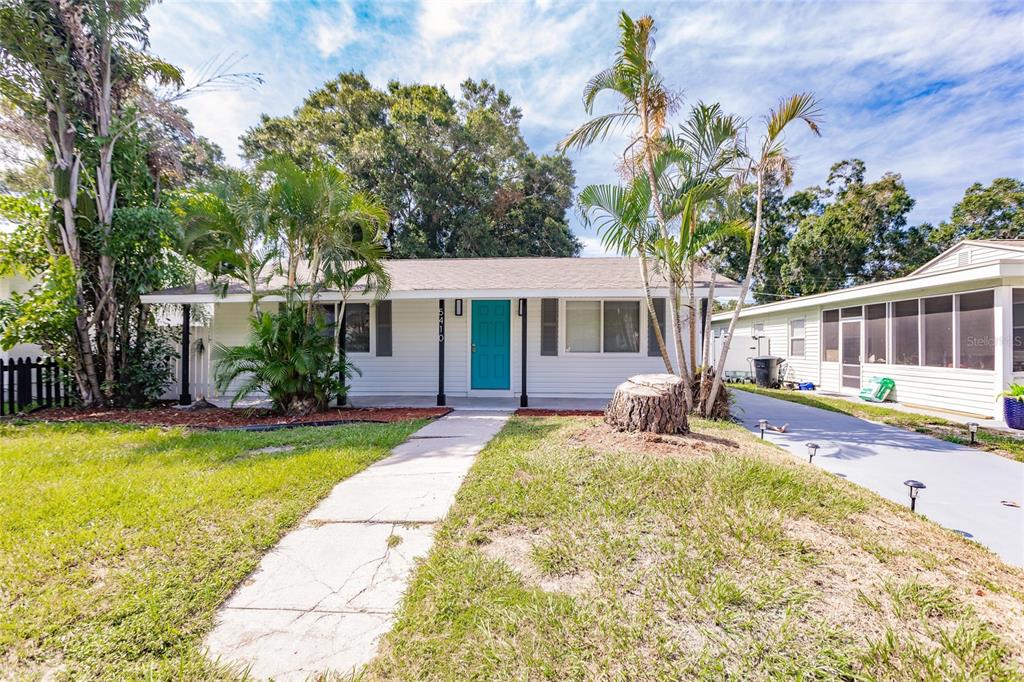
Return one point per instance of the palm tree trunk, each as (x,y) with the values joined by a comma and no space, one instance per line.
(744,289)
(693,316)
(646,279)
(706,349)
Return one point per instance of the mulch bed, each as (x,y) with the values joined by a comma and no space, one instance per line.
(233,418)
(537,412)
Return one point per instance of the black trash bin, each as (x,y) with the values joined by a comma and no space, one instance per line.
(766,371)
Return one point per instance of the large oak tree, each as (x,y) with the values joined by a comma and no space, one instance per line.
(455,174)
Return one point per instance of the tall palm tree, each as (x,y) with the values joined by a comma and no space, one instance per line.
(707,147)
(227,231)
(324,223)
(645,103)
(773,160)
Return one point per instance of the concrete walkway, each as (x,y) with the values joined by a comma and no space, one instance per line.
(322,598)
(966,487)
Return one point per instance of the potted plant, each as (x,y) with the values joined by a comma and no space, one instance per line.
(1013,406)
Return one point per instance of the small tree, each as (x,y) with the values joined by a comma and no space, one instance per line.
(772,161)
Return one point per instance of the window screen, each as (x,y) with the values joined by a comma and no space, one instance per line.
(874,333)
(1018,330)
(977,331)
(905,347)
(938,331)
(830,336)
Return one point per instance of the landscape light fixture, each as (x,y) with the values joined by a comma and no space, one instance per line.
(973,428)
(763,424)
(812,450)
(915,488)
(458,307)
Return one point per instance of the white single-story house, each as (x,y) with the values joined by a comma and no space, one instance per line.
(16,284)
(950,334)
(489,327)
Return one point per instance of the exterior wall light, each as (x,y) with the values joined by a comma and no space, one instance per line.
(914,487)
(762,424)
(522,306)
(458,307)
(973,428)
(812,450)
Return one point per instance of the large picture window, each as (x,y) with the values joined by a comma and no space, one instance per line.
(608,326)
(357,327)
(583,326)
(797,338)
(830,336)
(905,347)
(874,333)
(977,331)
(938,331)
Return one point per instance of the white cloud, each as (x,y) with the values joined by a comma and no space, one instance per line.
(333,28)
(592,247)
(929,90)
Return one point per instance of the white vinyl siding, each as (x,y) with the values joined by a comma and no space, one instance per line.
(970,255)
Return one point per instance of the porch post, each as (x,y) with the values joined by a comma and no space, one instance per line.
(339,319)
(186,351)
(524,400)
(440,352)
(1002,319)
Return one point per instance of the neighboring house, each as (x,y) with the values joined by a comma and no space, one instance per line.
(950,334)
(512,327)
(10,285)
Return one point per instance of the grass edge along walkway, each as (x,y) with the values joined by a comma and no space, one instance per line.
(944,429)
(574,553)
(118,543)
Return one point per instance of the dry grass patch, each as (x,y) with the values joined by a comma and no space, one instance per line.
(575,553)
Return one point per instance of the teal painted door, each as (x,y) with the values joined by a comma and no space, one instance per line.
(490,345)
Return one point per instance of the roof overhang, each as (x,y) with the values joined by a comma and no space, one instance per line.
(425,294)
(986,274)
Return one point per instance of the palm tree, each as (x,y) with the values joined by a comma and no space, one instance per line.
(773,160)
(227,231)
(707,148)
(323,222)
(645,103)
(624,222)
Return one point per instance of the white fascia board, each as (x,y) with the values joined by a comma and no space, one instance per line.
(996,270)
(425,294)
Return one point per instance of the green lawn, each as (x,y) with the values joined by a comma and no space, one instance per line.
(993,441)
(574,553)
(118,543)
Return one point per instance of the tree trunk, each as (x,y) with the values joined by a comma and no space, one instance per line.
(751,264)
(649,402)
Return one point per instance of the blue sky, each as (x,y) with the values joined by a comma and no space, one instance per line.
(934,91)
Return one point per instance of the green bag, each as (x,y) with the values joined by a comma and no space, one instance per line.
(877,390)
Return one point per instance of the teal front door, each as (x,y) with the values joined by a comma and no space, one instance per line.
(490,345)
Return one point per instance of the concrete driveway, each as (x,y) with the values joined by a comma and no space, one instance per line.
(966,487)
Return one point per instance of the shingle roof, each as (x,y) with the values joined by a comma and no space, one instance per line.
(482,274)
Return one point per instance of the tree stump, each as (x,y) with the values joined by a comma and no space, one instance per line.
(649,402)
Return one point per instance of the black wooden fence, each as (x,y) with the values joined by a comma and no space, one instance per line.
(26,382)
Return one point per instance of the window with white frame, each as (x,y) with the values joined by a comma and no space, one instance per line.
(602,326)
(797,338)
(357,328)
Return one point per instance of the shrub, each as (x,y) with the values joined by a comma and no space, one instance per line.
(288,357)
